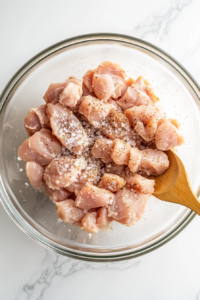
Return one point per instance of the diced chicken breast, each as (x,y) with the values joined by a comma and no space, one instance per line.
(95,111)
(87,79)
(144,119)
(60,195)
(35,173)
(89,222)
(53,93)
(113,168)
(41,147)
(67,128)
(110,68)
(92,197)
(87,175)
(128,82)
(86,91)
(143,85)
(72,92)
(32,122)
(68,212)
(114,103)
(154,162)
(103,149)
(111,182)
(121,152)
(102,217)
(108,81)
(62,171)
(128,206)
(134,159)
(116,126)
(103,86)
(140,183)
(36,119)
(134,97)
(167,135)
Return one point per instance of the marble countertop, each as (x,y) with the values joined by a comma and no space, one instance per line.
(27,270)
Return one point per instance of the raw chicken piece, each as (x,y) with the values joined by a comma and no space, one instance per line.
(92,197)
(167,135)
(128,82)
(111,182)
(67,128)
(72,92)
(57,195)
(154,162)
(41,147)
(102,217)
(87,79)
(121,152)
(86,92)
(134,96)
(112,168)
(60,195)
(53,93)
(36,119)
(128,206)
(103,86)
(134,159)
(110,68)
(144,119)
(35,173)
(62,171)
(108,81)
(89,222)
(140,183)
(95,111)
(116,126)
(87,175)
(103,149)
(143,85)
(114,103)
(68,212)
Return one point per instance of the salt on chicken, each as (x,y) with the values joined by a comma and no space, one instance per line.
(67,128)
(116,126)
(62,171)
(95,110)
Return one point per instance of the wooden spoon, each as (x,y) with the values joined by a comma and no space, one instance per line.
(174,185)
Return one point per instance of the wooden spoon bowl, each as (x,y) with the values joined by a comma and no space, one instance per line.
(174,186)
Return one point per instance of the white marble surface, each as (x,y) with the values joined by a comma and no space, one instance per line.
(28,271)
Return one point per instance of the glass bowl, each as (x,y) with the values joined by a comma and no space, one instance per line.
(31,210)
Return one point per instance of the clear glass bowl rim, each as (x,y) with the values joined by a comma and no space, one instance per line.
(10,209)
